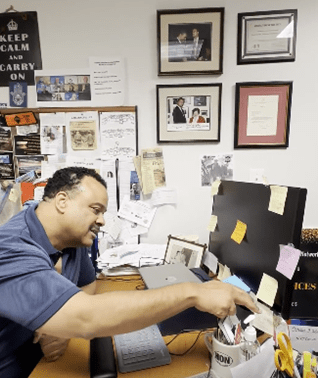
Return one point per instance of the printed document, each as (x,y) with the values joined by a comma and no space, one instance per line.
(107,81)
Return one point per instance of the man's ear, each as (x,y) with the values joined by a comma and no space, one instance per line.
(61,201)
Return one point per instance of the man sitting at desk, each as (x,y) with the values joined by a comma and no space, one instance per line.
(47,279)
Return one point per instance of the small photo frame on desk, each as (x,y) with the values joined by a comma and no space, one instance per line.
(190,41)
(188,113)
(266,37)
(183,251)
(262,114)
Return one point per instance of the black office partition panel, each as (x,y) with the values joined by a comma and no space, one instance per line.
(259,251)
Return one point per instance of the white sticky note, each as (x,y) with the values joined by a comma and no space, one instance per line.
(212,224)
(215,187)
(288,260)
(210,261)
(278,199)
(267,289)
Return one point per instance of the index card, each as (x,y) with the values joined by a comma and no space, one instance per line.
(267,289)
(164,196)
(277,199)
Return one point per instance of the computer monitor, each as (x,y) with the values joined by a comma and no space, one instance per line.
(259,251)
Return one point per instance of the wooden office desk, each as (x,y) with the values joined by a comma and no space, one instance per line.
(75,362)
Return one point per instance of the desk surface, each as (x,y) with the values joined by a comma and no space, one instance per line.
(75,362)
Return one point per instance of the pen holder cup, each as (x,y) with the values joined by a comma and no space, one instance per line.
(223,357)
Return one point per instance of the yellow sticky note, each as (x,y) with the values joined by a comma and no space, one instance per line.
(212,224)
(267,289)
(239,232)
(278,199)
(215,187)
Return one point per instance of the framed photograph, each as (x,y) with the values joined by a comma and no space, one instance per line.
(186,252)
(190,41)
(188,113)
(262,114)
(265,37)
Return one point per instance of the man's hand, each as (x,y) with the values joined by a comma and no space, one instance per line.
(52,347)
(220,299)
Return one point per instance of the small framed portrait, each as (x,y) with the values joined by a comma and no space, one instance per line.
(190,41)
(183,251)
(188,113)
(267,37)
(262,114)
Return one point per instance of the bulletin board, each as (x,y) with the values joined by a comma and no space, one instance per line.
(114,140)
(15,151)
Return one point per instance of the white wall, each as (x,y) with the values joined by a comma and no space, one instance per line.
(72,31)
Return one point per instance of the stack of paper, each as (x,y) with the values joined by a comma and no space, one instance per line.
(135,255)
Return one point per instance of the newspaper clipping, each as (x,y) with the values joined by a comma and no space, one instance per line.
(152,170)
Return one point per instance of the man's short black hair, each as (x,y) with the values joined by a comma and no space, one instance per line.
(67,179)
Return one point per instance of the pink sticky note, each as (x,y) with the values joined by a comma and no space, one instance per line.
(288,260)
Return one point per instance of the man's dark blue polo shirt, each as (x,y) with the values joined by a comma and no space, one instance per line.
(31,290)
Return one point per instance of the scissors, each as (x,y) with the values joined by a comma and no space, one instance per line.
(284,355)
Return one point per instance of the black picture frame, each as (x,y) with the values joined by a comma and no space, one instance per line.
(181,50)
(267,37)
(184,251)
(198,123)
(262,114)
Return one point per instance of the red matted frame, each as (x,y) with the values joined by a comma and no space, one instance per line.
(282,92)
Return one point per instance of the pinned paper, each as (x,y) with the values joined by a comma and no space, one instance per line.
(288,260)
(278,199)
(215,187)
(212,224)
(239,232)
(267,289)
(164,196)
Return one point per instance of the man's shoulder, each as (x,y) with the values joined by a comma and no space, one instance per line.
(17,223)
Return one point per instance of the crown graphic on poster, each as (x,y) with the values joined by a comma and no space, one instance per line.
(12,25)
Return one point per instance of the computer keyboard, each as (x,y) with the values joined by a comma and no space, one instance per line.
(141,349)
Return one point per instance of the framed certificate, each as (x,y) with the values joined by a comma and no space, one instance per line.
(265,37)
(262,114)
(190,41)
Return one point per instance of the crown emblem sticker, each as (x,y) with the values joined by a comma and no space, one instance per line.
(18,94)
(12,26)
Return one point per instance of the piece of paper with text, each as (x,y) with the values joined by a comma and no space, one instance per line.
(277,199)
(267,289)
